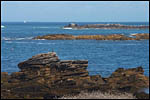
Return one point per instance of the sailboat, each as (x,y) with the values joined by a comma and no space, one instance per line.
(24,21)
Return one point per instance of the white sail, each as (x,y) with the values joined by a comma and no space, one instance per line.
(2,26)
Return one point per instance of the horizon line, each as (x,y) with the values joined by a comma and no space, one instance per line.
(74,21)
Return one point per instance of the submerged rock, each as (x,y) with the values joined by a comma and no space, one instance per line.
(45,76)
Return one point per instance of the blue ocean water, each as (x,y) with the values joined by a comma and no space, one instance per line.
(104,56)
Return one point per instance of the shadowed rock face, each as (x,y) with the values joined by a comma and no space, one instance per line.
(105,26)
(128,80)
(93,37)
(45,76)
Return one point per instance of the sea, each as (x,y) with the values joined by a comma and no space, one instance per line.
(104,56)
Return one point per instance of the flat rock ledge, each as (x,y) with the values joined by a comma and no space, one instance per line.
(138,36)
(45,76)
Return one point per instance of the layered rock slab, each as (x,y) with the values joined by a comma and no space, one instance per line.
(46,76)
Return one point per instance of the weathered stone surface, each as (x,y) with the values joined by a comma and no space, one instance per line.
(4,77)
(141,95)
(39,61)
(128,80)
(53,78)
(141,36)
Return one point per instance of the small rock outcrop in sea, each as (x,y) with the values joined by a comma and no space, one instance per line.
(141,36)
(72,25)
(45,76)
(106,26)
(93,37)
(56,37)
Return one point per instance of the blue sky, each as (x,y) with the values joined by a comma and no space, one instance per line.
(75,11)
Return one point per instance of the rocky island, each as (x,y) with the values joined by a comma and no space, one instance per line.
(105,26)
(45,76)
(138,36)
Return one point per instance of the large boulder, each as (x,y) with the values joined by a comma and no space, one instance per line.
(128,80)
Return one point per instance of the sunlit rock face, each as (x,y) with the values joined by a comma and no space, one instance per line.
(45,76)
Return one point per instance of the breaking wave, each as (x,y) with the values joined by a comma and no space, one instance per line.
(68,28)
(44,27)
(7,38)
(2,26)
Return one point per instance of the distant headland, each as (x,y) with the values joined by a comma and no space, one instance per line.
(105,26)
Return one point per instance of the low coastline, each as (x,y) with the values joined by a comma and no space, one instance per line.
(105,26)
(138,36)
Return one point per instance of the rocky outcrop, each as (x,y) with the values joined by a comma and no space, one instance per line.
(141,36)
(72,25)
(106,26)
(128,80)
(45,76)
(56,37)
(93,37)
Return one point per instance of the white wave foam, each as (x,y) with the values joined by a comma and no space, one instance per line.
(40,39)
(42,27)
(67,28)
(133,34)
(2,26)
(27,42)
(23,42)
(9,42)
(4,38)
(26,38)
(46,43)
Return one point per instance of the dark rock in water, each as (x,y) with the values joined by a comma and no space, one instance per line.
(72,25)
(93,37)
(44,76)
(106,26)
(129,80)
(141,36)
(56,37)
